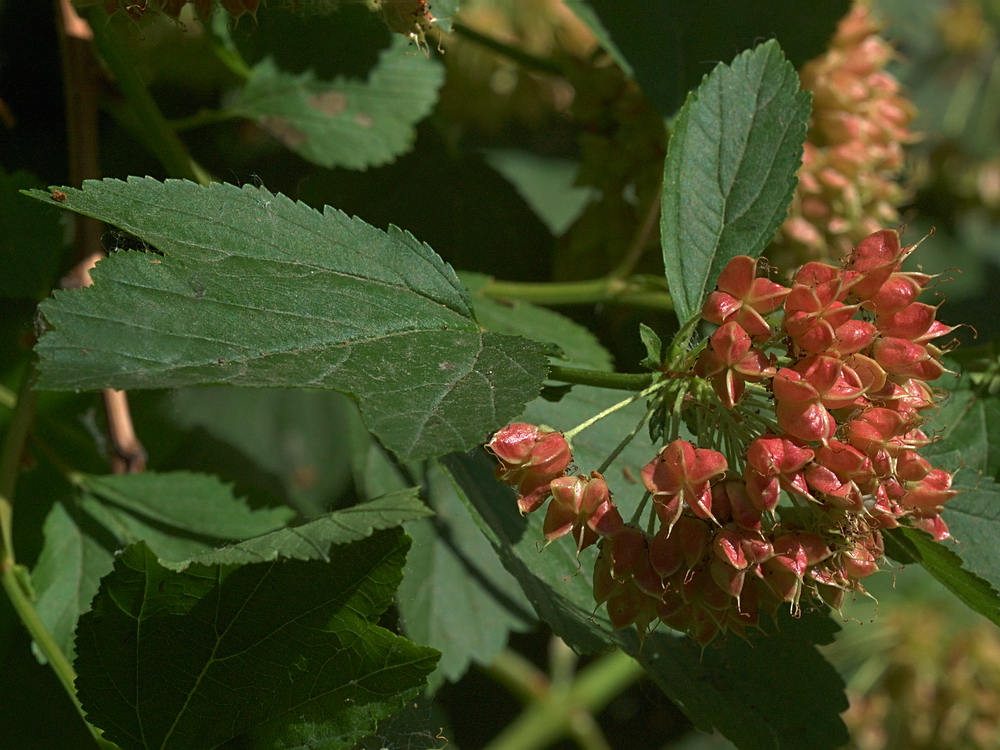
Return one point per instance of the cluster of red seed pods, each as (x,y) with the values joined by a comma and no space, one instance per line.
(849,394)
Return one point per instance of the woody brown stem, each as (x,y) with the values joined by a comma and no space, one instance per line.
(82,81)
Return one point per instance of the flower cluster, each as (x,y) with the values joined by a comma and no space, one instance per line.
(853,157)
(838,364)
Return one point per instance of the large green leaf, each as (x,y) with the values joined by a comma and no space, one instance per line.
(968,444)
(743,689)
(456,596)
(668,45)
(730,170)
(274,655)
(296,436)
(256,290)
(178,514)
(345,123)
(913,546)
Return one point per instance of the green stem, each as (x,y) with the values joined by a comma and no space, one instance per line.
(522,58)
(519,676)
(555,714)
(12,577)
(617,381)
(590,292)
(570,434)
(201,119)
(15,578)
(10,461)
(140,115)
(624,443)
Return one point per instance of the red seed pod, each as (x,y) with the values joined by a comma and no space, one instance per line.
(729,580)
(907,359)
(874,430)
(847,461)
(852,337)
(743,298)
(727,546)
(680,475)
(876,258)
(837,492)
(899,291)
(776,454)
(933,525)
(530,458)
(910,323)
(930,493)
(581,506)
(911,466)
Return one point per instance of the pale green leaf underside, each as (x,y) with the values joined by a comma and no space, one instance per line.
(253,289)
(730,170)
(311,541)
(345,123)
(190,503)
(67,575)
(275,655)
(456,596)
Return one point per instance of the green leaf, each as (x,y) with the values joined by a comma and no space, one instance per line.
(179,514)
(654,347)
(274,655)
(311,541)
(968,444)
(730,170)
(915,546)
(345,123)
(456,596)
(718,688)
(256,290)
(577,344)
(775,691)
(31,240)
(67,574)
(547,184)
(669,45)
(296,436)
(586,12)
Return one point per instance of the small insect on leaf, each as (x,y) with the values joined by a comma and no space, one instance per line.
(59,195)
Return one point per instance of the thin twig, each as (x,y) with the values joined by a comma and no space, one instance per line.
(82,82)
(641,239)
